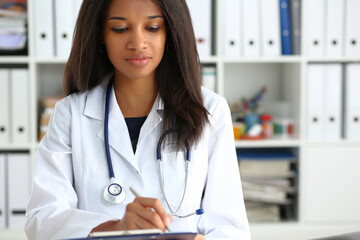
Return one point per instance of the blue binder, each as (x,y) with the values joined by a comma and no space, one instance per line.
(285,25)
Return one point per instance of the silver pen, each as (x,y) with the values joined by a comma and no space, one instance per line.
(136,194)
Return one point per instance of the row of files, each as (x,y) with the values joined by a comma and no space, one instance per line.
(14,105)
(54,26)
(333,28)
(55,22)
(274,27)
(261,27)
(249,28)
(15,189)
(333,102)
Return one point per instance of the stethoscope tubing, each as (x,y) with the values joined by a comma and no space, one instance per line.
(117,198)
(106,131)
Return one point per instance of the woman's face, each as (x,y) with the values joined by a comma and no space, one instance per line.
(134,35)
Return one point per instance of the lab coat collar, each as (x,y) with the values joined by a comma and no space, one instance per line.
(119,138)
(95,110)
(95,96)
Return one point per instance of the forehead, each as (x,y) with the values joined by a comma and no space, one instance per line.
(132,8)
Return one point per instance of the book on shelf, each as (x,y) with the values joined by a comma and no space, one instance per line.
(260,212)
(13,27)
(267,193)
(265,163)
(269,183)
(48,105)
(264,187)
(274,197)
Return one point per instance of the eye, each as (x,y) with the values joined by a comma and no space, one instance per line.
(153,29)
(119,30)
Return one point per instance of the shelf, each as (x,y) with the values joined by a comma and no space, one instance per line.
(206,60)
(262,59)
(14,59)
(341,59)
(298,231)
(267,143)
(15,147)
(50,60)
(334,144)
(12,234)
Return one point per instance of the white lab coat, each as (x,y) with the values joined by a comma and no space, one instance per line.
(71,171)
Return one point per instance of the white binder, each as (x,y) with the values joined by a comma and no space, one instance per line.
(19,105)
(4,106)
(352,28)
(251,23)
(44,28)
(64,26)
(352,101)
(334,43)
(19,188)
(333,102)
(270,23)
(232,26)
(315,86)
(2,192)
(200,11)
(316,24)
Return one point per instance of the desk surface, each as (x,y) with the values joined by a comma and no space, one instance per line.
(348,236)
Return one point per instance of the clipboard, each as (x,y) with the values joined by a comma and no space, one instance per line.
(147,234)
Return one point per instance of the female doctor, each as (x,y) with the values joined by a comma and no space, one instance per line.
(136,116)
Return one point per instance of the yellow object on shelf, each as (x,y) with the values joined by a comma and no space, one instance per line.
(239,130)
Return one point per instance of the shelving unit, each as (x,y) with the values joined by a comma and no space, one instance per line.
(320,163)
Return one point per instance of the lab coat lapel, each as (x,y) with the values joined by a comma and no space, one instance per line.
(153,119)
(119,139)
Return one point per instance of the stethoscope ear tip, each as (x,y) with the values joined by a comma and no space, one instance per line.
(200,211)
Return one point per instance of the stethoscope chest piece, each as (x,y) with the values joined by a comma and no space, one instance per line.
(114,193)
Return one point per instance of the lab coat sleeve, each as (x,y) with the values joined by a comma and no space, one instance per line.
(223,203)
(52,210)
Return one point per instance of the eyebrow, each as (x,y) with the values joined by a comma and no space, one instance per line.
(124,19)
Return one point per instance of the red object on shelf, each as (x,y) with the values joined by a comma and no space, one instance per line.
(247,137)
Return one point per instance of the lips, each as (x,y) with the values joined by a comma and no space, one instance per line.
(138,60)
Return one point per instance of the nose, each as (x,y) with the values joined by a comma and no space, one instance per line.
(137,40)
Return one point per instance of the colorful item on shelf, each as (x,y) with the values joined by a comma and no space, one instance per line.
(252,104)
(267,125)
(283,128)
(250,120)
(239,130)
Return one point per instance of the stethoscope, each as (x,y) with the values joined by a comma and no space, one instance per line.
(114,193)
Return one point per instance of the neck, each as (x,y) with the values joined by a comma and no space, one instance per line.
(135,97)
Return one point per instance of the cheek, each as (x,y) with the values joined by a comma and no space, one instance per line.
(114,50)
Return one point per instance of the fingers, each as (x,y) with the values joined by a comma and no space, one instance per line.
(199,237)
(156,206)
(146,213)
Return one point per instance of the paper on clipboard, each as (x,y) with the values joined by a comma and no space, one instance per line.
(147,234)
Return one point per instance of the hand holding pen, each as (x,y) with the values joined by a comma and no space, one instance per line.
(146,213)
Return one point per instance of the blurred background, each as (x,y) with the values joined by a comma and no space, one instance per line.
(289,69)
